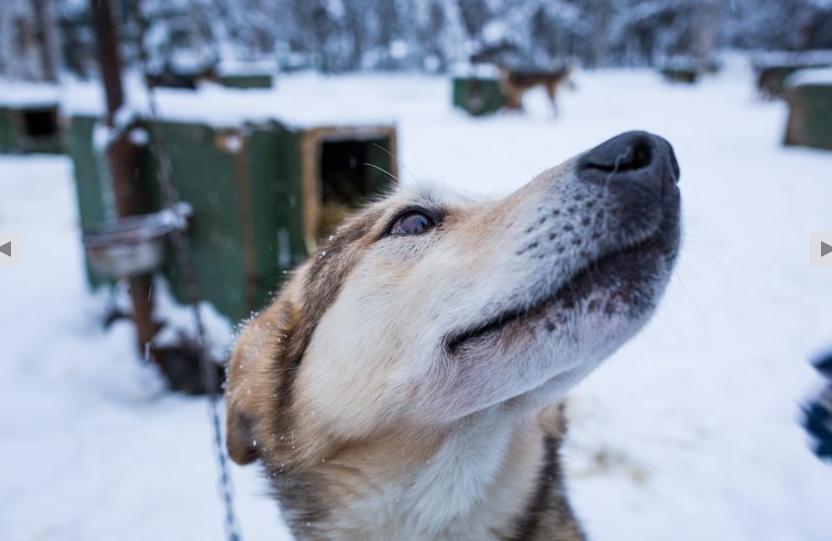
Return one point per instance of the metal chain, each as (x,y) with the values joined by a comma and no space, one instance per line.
(182,251)
(184,262)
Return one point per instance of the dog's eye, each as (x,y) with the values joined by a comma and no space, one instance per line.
(411,223)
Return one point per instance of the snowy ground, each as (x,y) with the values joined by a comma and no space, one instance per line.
(689,433)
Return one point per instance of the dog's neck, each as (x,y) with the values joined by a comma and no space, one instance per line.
(490,476)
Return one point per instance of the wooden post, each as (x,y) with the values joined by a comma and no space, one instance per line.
(109,57)
(122,157)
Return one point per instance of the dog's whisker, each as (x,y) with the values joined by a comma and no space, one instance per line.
(683,284)
(713,256)
(383,170)
(395,157)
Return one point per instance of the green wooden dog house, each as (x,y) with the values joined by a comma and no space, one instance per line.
(245,80)
(30,120)
(477,88)
(247,75)
(809,95)
(262,193)
(478,95)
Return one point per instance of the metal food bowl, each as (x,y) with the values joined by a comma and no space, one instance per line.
(133,245)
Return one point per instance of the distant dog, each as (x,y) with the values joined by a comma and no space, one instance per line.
(406,383)
(515,83)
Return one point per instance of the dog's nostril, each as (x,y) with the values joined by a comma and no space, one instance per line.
(633,156)
(641,157)
(627,152)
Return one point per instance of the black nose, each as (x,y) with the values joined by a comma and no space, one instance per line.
(635,156)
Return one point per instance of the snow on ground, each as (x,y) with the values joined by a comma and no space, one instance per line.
(688,433)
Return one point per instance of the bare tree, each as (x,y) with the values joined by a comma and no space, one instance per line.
(44,29)
(28,44)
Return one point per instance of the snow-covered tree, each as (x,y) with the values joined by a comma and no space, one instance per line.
(341,35)
(28,40)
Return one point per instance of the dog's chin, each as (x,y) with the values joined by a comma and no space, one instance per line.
(612,295)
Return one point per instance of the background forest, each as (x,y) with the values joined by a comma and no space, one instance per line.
(38,37)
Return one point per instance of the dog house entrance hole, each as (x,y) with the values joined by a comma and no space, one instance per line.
(346,179)
(40,123)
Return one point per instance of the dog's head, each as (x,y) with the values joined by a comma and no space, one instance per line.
(427,307)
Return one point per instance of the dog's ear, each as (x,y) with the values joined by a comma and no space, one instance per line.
(252,383)
(240,398)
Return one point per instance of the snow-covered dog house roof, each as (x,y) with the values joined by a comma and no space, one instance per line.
(773,68)
(29,117)
(265,182)
(19,94)
(810,77)
(220,107)
(770,59)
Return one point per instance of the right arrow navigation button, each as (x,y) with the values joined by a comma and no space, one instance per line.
(821,249)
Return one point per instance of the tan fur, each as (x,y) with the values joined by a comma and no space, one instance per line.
(331,474)
(378,397)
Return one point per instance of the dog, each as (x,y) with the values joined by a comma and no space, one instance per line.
(407,383)
(515,83)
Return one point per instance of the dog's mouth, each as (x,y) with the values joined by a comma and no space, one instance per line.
(619,273)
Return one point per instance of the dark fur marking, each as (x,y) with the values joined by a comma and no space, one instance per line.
(528,524)
(548,514)
(325,279)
